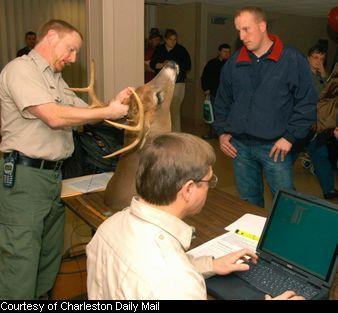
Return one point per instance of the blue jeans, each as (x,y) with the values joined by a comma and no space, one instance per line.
(319,156)
(252,162)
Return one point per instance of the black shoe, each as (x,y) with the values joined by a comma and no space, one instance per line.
(331,195)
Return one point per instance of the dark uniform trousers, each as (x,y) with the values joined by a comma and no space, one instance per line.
(31,232)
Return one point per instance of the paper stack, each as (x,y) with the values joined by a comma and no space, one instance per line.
(243,233)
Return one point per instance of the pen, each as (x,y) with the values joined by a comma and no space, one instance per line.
(246,234)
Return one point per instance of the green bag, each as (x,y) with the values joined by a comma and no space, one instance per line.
(208,113)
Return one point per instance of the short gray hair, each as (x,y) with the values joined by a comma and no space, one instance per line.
(168,162)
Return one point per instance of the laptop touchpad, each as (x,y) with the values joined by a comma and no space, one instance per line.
(231,287)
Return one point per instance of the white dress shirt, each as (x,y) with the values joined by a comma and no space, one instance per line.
(139,253)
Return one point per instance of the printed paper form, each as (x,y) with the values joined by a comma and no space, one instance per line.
(249,223)
(85,184)
(224,244)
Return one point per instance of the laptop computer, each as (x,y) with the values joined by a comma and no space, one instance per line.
(297,251)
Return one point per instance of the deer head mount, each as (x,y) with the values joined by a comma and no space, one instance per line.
(148,116)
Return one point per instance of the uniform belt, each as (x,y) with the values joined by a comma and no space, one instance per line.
(37,163)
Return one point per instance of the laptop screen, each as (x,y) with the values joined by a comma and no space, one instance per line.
(303,233)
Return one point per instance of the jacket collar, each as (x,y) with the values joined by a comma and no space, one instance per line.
(275,54)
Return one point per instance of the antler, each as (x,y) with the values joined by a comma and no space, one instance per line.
(139,128)
(90,89)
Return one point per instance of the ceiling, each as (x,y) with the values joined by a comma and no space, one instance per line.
(315,8)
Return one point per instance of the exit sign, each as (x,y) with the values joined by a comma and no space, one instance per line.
(219,20)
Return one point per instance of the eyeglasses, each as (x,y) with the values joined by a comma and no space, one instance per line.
(212,181)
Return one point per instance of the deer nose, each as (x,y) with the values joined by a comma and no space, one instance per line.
(174,66)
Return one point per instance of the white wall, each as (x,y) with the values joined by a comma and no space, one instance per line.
(116,43)
(19,16)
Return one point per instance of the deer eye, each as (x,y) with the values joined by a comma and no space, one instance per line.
(159,98)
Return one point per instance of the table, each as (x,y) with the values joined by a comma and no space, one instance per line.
(220,210)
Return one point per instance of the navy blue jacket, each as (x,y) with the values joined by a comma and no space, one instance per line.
(211,75)
(279,102)
(179,54)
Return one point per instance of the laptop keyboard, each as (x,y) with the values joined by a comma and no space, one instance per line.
(269,279)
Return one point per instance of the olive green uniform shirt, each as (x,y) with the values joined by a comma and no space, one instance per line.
(28,81)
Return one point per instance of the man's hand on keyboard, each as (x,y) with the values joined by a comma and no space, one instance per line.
(228,263)
(287,295)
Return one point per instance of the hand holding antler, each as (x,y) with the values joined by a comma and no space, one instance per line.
(123,95)
(118,109)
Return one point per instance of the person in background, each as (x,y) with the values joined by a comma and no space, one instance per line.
(30,39)
(316,57)
(210,78)
(265,102)
(154,40)
(140,252)
(37,115)
(316,143)
(172,51)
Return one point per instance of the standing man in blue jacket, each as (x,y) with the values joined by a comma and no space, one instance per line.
(265,102)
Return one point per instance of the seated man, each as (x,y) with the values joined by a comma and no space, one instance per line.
(140,252)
